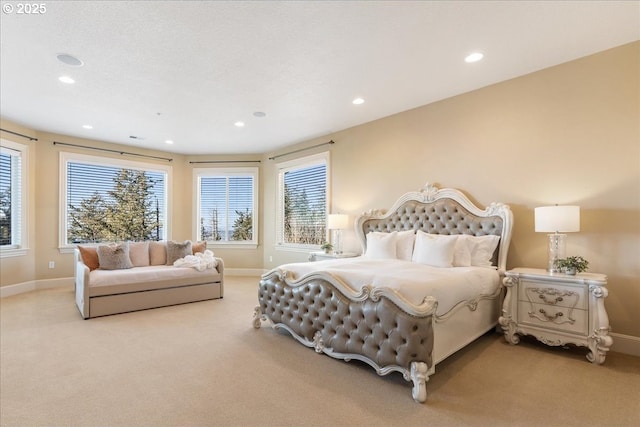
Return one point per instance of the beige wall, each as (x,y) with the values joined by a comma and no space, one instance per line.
(568,135)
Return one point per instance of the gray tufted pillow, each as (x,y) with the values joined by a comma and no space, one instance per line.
(114,256)
(177,250)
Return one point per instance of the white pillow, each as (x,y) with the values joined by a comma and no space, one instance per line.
(434,249)
(404,244)
(462,251)
(482,248)
(381,245)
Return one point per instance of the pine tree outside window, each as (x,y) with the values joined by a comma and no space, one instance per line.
(106,200)
(302,202)
(227,205)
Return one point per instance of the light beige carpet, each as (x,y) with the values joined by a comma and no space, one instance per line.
(204,364)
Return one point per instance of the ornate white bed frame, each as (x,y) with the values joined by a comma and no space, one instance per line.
(322,312)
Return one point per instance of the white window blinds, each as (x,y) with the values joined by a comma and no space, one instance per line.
(113,203)
(303,186)
(226,208)
(10,197)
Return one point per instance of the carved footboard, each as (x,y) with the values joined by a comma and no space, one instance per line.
(376,326)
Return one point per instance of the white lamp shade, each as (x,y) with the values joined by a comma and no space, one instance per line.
(561,219)
(337,221)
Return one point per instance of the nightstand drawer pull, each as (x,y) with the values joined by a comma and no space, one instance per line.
(554,296)
(550,301)
(551,318)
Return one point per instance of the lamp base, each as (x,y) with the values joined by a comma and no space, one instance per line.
(337,246)
(556,250)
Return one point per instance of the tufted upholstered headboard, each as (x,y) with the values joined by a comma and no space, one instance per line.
(441,211)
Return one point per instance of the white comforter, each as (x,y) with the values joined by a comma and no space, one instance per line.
(413,281)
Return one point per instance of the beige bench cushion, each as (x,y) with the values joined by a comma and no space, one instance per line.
(109,282)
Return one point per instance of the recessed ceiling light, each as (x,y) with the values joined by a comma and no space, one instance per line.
(239,124)
(65,58)
(87,126)
(474,57)
(259,114)
(66,79)
(358,101)
(168,141)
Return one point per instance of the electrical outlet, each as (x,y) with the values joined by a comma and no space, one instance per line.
(52,264)
(270,258)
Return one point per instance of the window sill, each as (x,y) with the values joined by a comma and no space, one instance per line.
(299,249)
(13,252)
(232,245)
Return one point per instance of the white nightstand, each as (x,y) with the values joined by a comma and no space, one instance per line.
(557,309)
(320,255)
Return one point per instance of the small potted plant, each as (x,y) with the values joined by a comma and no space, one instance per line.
(572,265)
(326,247)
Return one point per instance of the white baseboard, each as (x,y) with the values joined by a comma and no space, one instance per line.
(20,288)
(253,272)
(626,344)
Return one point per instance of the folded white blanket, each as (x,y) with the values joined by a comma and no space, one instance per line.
(200,261)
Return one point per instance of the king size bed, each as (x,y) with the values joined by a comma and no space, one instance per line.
(428,283)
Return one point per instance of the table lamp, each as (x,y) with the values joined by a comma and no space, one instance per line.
(557,220)
(337,222)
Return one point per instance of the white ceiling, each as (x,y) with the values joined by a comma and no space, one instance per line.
(187,71)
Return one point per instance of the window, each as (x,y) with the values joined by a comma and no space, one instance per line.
(112,200)
(302,202)
(226,205)
(13,198)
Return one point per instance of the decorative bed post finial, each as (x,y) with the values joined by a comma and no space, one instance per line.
(429,191)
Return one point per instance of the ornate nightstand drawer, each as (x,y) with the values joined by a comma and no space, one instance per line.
(553,295)
(557,309)
(558,318)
